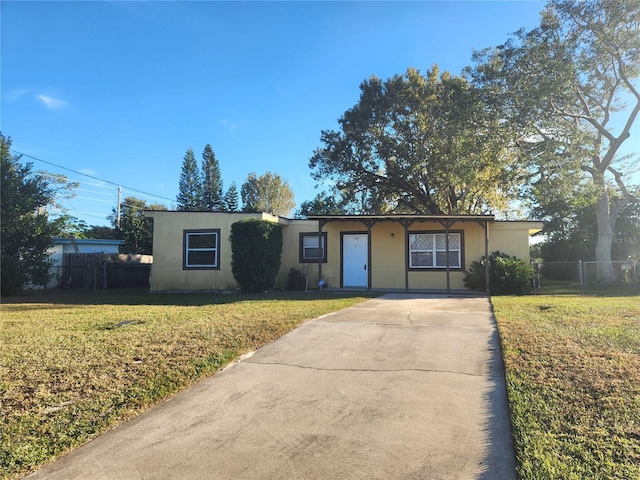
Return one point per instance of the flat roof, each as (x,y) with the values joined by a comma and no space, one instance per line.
(88,241)
(404,216)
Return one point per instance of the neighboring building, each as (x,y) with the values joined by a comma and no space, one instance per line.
(192,251)
(61,246)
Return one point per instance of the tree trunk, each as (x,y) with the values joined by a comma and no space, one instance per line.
(605,224)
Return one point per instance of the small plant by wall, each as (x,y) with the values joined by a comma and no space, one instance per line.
(508,275)
(256,253)
(297,280)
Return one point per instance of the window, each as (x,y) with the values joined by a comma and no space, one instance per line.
(202,249)
(312,247)
(429,250)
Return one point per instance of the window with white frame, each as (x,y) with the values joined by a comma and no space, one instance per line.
(312,247)
(202,249)
(429,250)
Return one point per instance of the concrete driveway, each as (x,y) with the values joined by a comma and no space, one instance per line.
(398,387)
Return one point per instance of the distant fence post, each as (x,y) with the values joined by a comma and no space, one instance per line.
(635,277)
(536,276)
(581,277)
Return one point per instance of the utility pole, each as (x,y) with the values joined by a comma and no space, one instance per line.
(118,208)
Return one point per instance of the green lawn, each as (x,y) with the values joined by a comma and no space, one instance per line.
(573,379)
(74,365)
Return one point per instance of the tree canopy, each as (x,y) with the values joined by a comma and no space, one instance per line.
(27,230)
(135,229)
(267,193)
(418,144)
(230,200)
(212,197)
(569,90)
(190,184)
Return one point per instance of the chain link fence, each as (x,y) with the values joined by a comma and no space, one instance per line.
(586,277)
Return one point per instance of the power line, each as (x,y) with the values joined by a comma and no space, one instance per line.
(109,194)
(89,176)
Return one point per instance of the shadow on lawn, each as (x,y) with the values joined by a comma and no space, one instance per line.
(142,297)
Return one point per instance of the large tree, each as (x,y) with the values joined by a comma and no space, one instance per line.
(417,144)
(570,89)
(267,193)
(190,185)
(322,204)
(230,200)
(135,229)
(578,239)
(27,229)
(212,197)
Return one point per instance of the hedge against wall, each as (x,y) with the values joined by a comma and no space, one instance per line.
(256,253)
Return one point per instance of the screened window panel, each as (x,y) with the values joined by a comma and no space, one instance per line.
(429,250)
(421,259)
(421,242)
(202,258)
(201,240)
(454,259)
(310,248)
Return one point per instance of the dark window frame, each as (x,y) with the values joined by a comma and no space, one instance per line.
(186,250)
(301,256)
(452,268)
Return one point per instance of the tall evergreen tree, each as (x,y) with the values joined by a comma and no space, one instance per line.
(190,185)
(231,202)
(211,181)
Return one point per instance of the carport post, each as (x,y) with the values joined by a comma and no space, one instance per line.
(447,225)
(369,224)
(406,224)
(486,256)
(485,224)
(321,250)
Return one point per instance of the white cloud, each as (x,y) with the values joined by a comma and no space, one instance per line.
(52,103)
(14,95)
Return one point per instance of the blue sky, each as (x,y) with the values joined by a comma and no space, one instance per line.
(120,90)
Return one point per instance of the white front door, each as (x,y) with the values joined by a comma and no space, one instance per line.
(355,260)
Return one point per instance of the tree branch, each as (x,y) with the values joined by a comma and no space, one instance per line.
(627,197)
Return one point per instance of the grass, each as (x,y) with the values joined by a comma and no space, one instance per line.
(75,365)
(573,380)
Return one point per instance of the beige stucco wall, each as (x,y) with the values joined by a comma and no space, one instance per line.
(291,252)
(167,273)
(512,238)
(389,247)
(388,250)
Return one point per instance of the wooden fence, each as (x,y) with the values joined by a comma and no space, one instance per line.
(99,271)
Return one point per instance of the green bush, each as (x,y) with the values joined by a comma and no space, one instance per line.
(508,275)
(256,252)
(297,280)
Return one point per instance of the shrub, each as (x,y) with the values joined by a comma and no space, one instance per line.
(508,275)
(297,280)
(256,251)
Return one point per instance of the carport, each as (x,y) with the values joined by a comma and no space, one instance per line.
(407,221)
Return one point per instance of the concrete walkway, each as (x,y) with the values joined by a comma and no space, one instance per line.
(398,387)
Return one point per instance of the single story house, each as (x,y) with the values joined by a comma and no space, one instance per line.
(192,251)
